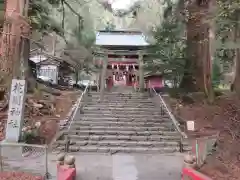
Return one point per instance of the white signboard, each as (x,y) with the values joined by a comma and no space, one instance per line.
(190,126)
(16,110)
(50,71)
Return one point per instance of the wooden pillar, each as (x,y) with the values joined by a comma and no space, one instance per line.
(99,74)
(103,75)
(141,72)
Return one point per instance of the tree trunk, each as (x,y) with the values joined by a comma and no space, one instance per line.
(6,61)
(188,82)
(209,51)
(76,76)
(207,69)
(192,79)
(29,76)
(10,43)
(236,82)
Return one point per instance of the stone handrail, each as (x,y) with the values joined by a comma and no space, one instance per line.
(175,122)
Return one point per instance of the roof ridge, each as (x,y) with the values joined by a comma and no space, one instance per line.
(120,32)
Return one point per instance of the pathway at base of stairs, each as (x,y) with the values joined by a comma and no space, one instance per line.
(124,166)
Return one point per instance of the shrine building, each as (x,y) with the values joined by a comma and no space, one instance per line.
(120,54)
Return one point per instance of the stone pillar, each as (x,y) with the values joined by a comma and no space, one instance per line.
(103,75)
(141,72)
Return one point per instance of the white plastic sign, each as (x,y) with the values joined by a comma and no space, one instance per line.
(190,126)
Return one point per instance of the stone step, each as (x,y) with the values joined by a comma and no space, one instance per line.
(127,133)
(103,112)
(149,109)
(122,124)
(80,137)
(121,105)
(129,114)
(112,106)
(121,143)
(121,95)
(112,150)
(124,119)
(113,103)
(124,115)
(107,94)
(113,99)
(98,128)
(120,100)
(93,102)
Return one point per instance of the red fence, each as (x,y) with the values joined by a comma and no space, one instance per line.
(191,174)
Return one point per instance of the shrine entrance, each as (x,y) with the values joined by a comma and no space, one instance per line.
(120,56)
(122,73)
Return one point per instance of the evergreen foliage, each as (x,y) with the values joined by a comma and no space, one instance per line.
(169,51)
(40,18)
(227,19)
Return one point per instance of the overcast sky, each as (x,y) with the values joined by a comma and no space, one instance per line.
(122,4)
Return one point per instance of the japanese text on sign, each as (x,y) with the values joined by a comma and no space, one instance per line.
(16,100)
(16,110)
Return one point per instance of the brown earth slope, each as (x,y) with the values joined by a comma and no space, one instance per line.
(224,117)
(57,108)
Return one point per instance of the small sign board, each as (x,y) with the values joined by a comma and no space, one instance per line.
(190,126)
(16,110)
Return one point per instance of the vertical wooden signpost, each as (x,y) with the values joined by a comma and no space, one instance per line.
(16,110)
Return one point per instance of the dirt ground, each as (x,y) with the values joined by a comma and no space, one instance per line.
(224,117)
(49,122)
(63,104)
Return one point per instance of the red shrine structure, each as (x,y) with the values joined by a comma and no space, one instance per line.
(121,55)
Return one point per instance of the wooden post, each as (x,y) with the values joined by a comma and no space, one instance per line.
(103,76)
(141,72)
(54,44)
(99,74)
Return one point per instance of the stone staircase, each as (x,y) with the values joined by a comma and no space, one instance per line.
(122,122)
